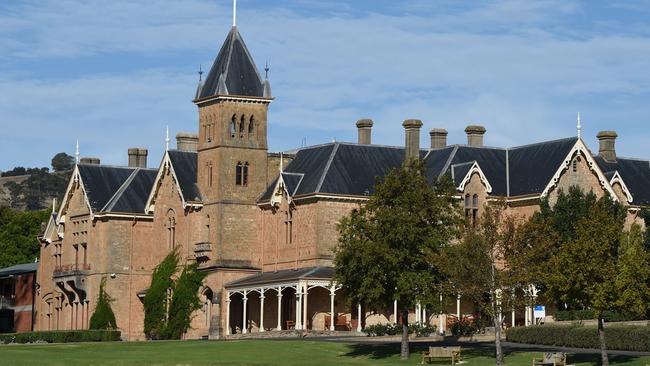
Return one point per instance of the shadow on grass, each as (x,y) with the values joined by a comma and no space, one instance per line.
(382,351)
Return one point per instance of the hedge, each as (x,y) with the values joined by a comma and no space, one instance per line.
(608,316)
(617,337)
(61,336)
(378,330)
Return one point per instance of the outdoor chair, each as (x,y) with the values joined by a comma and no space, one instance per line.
(551,359)
(452,353)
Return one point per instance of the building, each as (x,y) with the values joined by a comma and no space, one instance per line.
(17,296)
(263,225)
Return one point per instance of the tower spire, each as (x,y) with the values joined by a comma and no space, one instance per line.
(234,13)
(167,139)
(579,126)
(266,69)
(76,153)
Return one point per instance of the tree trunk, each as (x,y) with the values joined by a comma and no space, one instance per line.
(497,338)
(405,353)
(601,338)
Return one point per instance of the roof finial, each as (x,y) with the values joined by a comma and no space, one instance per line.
(234,13)
(53,205)
(200,72)
(579,126)
(267,68)
(76,153)
(167,139)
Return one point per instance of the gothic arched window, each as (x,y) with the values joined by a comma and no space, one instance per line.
(233,126)
(238,174)
(245,174)
(474,209)
(242,125)
(251,127)
(171,229)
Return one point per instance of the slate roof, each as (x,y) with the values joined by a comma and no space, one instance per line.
(319,273)
(236,69)
(18,269)
(352,169)
(635,174)
(116,189)
(185,167)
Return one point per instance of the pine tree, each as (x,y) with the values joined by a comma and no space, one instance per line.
(103,317)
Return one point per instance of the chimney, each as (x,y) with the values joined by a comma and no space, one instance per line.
(89,161)
(438,138)
(412,133)
(186,141)
(364,127)
(475,135)
(138,157)
(607,149)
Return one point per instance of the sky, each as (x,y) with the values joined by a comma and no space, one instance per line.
(113,74)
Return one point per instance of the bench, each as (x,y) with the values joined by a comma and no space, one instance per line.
(551,359)
(340,323)
(452,353)
(291,324)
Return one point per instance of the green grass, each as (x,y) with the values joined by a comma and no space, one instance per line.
(250,353)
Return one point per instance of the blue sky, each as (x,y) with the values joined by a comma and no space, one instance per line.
(114,73)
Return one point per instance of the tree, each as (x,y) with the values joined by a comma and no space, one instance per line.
(590,270)
(185,301)
(388,247)
(476,267)
(62,162)
(103,317)
(19,235)
(156,300)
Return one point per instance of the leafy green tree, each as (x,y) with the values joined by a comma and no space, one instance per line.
(185,301)
(475,267)
(103,317)
(62,162)
(589,270)
(156,299)
(18,235)
(633,273)
(387,248)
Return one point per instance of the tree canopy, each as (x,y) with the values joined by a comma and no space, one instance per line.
(62,162)
(19,235)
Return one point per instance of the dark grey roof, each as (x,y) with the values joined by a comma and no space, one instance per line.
(263,278)
(292,181)
(116,189)
(236,69)
(18,269)
(459,171)
(492,162)
(635,174)
(185,167)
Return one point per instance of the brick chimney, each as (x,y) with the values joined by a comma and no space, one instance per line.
(138,157)
(438,138)
(364,127)
(607,149)
(475,135)
(412,134)
(186,141)
(90,161)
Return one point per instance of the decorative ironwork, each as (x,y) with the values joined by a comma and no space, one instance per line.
(71,270)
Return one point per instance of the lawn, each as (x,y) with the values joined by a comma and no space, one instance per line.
(300,352)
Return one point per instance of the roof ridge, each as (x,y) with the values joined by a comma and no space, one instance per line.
(448,163)
(542,142)
(465,163)
(327,167)
(118,194)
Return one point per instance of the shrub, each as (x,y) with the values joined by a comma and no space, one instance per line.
(466,327)
(103,317)
(62,336)
(617,337)
(378,330)
(588,314)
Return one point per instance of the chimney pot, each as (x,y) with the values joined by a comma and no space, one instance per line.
(475,135)
(138,157)
(438,138)
(607,148)
(186,141)
(364,128)
(89,161)
(412,137)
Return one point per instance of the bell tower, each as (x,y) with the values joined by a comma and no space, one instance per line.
(233,102)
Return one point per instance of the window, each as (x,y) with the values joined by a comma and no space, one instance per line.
(251,127)
(242,123)
(468,207)
(238,174)
(233,126)
(245,174)
(474,209)
(288,228)
(210,171)
(171,229)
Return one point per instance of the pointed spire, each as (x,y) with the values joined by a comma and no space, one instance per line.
(267,68)
(199,87)
(167,139)
(266,84)
(579,126)
(234,13)
(76,153)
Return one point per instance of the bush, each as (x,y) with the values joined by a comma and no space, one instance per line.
(588,314)
(62,336)
(621,337)
(378,330)
(466,327)
(103,317)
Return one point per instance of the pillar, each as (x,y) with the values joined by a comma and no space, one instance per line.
(332,317)
(359,317)
(424,315)
(227,312)
(527,316)
(305,324)
(417,313)
(279,308)
(441,319)
(513,317)
(261,310)
(244,328)
(298,306)
(458,306)
(395,311)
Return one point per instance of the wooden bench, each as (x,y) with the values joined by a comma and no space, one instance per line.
(340,323)
(291,324)
(551,359)
(452,353)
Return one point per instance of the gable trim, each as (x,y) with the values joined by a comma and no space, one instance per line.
(618,179)
(474,169)
(165,164)
(74,178)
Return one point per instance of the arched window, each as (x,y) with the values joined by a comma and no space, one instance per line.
(474,209)
(251,127)
(233,126)
(171,229)
(238,174)
(468,207)
(245,174)
(242,125)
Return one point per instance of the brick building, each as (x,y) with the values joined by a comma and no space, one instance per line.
(263,225)
(17,296)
